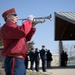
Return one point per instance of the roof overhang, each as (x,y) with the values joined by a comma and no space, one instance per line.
(64,26)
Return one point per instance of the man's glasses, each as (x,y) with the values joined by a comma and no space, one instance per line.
(14,14)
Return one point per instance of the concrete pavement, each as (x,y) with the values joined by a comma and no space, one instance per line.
(70,70)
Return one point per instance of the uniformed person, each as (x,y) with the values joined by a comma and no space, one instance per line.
(36,56)
(66,58)
(32,58)
(43,58)
(62,58)
(26,60)
(15,40)
(49,58)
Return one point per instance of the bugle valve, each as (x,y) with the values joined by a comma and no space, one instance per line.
(39,19)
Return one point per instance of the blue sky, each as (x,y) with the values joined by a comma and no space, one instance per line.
(40,8)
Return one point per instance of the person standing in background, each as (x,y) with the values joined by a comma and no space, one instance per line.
(36,57)
(32,58)
(43,58)
(62,58)
(66,58)
(49,59)
(26,61)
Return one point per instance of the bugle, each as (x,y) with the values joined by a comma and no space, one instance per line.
(39,19)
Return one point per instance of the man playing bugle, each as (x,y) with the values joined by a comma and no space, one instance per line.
(15,38)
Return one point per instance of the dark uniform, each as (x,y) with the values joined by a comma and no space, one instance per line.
(26,61)
(49,58)
(32,58)
(66,58)
(43,58)
(62,58)
(36,56)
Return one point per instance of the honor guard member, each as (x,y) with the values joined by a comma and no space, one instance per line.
(43,58)
(15,40)
(26,60)
(49,58)
(36,58)
(31,55)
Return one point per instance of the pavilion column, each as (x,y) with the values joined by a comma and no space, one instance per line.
(60,50)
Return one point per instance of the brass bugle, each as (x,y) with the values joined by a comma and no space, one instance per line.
(39,19)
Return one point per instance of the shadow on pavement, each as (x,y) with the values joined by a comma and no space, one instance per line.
(60,67)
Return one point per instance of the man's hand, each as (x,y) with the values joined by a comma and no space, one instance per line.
(31,17)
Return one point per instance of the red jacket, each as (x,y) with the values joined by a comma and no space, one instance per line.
(15,38)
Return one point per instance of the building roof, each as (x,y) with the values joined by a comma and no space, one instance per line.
(68,16)
(64,25)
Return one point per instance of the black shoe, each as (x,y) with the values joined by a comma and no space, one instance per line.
(37,71)
(44,71)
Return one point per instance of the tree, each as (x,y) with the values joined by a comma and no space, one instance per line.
(30,45)
(1,42)
(69,48)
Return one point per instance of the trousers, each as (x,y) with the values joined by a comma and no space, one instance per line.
(14,66)
(44,65)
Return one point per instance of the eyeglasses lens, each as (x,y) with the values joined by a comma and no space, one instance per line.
(14,14)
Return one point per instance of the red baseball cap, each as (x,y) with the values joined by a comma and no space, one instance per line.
(12,10)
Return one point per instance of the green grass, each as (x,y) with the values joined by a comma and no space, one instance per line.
(34,73)
(27,73)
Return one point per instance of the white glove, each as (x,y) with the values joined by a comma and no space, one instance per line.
(31,17)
